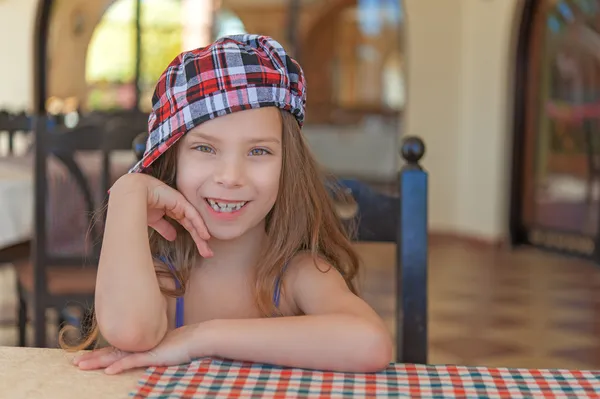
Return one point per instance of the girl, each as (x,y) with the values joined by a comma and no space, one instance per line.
(246,258)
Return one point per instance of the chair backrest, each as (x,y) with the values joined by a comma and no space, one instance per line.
(55,150)
(70,186)
(13,123)
(120,129)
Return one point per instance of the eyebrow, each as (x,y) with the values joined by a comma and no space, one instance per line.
(206,137)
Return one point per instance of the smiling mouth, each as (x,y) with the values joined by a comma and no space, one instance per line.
(225,207)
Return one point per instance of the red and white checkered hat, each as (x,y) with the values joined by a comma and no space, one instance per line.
(232,74)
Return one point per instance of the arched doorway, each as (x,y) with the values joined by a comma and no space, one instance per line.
(345,48)
(107,54)
(556,174)
(351,53)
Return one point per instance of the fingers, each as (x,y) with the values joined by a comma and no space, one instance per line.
(201,243)
(204,249)
(190,213)
(98,359)
(190,219)
(177,207)
(143,359)
(165,229)
(90,355)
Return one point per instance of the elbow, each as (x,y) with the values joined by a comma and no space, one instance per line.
(131,341)
(130,337)
(378,352)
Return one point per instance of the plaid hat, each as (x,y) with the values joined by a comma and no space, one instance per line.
(232,74)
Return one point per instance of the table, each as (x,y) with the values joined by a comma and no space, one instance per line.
(48,373)
(16,202)
(35,373)
(220,378)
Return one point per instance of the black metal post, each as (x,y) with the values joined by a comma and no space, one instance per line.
(40,233)
(411,272)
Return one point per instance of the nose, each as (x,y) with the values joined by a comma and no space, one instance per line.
(229,173)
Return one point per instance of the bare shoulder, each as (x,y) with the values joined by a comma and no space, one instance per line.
(314,285)
(308,270)
(317,287)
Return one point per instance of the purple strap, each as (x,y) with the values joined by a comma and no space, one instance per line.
(179,312)
(179,300)
(276,293)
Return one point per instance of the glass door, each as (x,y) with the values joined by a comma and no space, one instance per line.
(561,168)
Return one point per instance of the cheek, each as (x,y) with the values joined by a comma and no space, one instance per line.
(268,182)
(188,183)
(185,187)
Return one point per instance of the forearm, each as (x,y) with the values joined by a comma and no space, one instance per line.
(327,342)
(130,308)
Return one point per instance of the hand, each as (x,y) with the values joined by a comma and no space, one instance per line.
(164,201)
(173,350)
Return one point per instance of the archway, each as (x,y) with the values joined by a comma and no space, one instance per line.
(62,48)
(43,31)
(345,47)
(556,140)
(351,52)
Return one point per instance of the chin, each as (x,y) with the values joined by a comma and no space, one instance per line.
(223,233)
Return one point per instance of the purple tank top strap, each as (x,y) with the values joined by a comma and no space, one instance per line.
(179,304)
(277,291)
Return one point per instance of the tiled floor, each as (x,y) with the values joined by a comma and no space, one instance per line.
(521,308)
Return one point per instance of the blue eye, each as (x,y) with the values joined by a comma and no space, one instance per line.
(204,148)
(259,151)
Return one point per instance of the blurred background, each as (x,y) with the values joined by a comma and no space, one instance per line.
(504,93)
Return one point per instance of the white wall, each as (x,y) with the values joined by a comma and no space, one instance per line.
(486,136)
(434,70)
(460,57)
(17,21)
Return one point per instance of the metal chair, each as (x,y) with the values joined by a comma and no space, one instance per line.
(11,124)
(49,279)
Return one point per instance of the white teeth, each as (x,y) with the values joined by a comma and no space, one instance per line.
(226,207)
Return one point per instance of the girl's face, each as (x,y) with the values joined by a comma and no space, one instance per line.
(229,169)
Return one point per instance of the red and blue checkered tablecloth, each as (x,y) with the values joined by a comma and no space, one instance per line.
(208,378)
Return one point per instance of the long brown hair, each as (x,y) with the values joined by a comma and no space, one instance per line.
(303,219)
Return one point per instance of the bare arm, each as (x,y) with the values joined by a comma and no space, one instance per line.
(130,309)
(338,332)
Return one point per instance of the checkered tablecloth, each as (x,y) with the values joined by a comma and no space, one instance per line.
(209,378)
